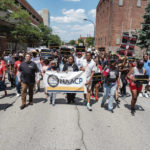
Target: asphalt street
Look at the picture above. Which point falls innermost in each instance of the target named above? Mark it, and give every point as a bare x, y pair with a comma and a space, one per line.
72, 127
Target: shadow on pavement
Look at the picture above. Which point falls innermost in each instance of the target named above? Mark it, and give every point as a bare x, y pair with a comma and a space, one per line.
5, 106
106, 106
39, 100
137, 107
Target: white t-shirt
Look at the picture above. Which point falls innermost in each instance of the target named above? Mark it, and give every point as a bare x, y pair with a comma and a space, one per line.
89, 67
97, 70
79, 61
38, 63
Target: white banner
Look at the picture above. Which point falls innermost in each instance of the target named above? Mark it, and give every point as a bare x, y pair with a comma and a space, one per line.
66, 82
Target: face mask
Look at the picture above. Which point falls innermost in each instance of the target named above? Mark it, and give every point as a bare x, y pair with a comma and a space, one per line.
34, 54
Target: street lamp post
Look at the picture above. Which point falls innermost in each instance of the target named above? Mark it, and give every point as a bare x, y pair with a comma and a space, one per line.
88, 20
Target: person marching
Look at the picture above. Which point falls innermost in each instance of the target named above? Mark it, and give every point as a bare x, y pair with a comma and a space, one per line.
147, 68
135, 87
96, 84
111, 74
36, 60
89, 67
16, 68
53, 67
2, 76
70, 67
27, 70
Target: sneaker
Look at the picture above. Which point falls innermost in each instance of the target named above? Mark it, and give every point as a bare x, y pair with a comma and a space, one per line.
17, 95
53, 103
146, 95
102, 105
89, 107
140, 95
85, 102
93, 96
132, 111
111, 110
117, 101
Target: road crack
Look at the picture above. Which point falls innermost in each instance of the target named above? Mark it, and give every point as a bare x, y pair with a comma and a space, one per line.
79, 125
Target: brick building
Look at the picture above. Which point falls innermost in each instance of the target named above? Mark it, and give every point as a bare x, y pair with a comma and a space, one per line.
113, 17
35, 17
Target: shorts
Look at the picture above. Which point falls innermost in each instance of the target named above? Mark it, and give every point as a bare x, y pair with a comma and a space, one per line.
86, 87
137, 88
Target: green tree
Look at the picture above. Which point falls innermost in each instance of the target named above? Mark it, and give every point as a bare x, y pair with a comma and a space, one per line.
144, 33
55, 39
72, 42
22, 27
46, 33
90, 41
80, 41
7, 4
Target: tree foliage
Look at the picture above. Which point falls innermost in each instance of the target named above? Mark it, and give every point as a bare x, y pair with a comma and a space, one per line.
144, 33
7, 4
80, 41
21, 29
55, 39
72, 42
90, 41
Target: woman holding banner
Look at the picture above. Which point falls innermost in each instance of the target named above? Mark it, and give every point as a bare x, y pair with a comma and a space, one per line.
53, 67
70, 66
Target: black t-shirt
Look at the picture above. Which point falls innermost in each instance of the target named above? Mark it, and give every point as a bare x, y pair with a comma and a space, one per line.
68, 67
112, 75
28, 70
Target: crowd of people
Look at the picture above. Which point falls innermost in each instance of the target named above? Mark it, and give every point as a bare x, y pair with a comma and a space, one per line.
26, 70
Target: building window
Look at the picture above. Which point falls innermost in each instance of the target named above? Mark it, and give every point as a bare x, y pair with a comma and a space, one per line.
118, 41
120, 2
138, 3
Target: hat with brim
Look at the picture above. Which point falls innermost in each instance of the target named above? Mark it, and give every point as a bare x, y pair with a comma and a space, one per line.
34, 51
53, 62
20, 55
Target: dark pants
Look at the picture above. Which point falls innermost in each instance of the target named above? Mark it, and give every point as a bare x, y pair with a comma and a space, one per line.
71, 97
11, 79
2, 85
24, 92
124, 84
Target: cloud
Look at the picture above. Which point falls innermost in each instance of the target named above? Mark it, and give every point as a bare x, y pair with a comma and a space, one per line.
74, 31
70, 25
92, 12
72, 0
70, 16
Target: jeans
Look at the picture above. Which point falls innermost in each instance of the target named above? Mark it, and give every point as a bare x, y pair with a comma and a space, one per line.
18, 85
109, 90
52, 97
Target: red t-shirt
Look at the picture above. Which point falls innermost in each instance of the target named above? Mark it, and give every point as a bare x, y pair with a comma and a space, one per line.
3, 62
2, 69
17, 65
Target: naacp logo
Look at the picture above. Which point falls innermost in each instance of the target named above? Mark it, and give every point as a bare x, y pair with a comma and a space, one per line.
53, 80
